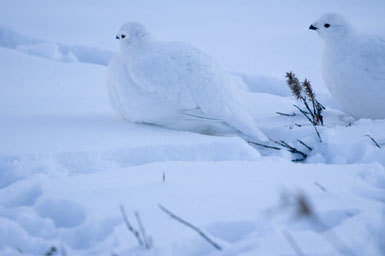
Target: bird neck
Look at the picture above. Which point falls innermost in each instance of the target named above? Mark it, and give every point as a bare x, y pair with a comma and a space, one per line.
342, 46
134, 45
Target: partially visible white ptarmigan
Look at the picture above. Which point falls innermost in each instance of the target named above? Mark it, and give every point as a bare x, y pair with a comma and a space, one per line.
353, 67
174, 85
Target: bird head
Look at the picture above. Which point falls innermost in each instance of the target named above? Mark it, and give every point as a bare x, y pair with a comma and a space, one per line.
131, 34
332, 27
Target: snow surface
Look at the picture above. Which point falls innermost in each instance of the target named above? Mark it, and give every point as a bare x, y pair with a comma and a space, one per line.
67, 161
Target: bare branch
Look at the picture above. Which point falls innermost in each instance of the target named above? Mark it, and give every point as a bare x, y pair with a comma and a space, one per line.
293, 243
375, 142
304, 113
200, 232
262, 145
130, 227
284, 114
309, 119
312, 113
320, 186
316, 131
305, 145
147, 242
292, 150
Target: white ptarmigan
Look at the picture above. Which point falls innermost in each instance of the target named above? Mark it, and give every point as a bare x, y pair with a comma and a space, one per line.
353, 67
174, 85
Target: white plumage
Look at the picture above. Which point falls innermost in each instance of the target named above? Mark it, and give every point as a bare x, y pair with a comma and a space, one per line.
174, 85
353, 67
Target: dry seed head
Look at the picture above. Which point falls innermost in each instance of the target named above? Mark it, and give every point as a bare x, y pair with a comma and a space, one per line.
309, 90
294, 84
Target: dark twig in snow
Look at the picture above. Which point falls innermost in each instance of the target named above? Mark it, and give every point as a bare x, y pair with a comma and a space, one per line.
200, 232
308, 118
284, 114
375, 142
305, 145
316, 131
130, 227
293, 243
306, 114
263, 145
320, 186
146, 239
309, 110
291, 150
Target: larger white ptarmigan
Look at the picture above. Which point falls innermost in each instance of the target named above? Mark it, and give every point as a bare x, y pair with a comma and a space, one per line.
174, 85
353, 67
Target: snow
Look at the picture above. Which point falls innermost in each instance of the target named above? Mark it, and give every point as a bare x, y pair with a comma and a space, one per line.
67, 161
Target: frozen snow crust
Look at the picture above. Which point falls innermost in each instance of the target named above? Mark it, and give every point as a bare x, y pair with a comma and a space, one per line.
67, 162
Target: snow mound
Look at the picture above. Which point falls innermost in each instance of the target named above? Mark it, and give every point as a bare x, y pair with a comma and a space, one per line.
53, 51
265, 84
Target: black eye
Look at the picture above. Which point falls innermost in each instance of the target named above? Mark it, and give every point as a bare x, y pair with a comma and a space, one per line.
327, 25
123, 36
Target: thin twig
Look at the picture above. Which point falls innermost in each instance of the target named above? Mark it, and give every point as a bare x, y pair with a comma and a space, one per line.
292, 150
293, 243
200, 232
319, 108
130, 227
375, 142
304, 113
147, 243
320, 186
284, 114
308, 108
320, 105
263, 145
305, 145
308, 118
316, 131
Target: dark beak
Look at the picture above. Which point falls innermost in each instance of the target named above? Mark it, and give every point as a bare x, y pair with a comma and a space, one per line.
313, 27
117, 37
